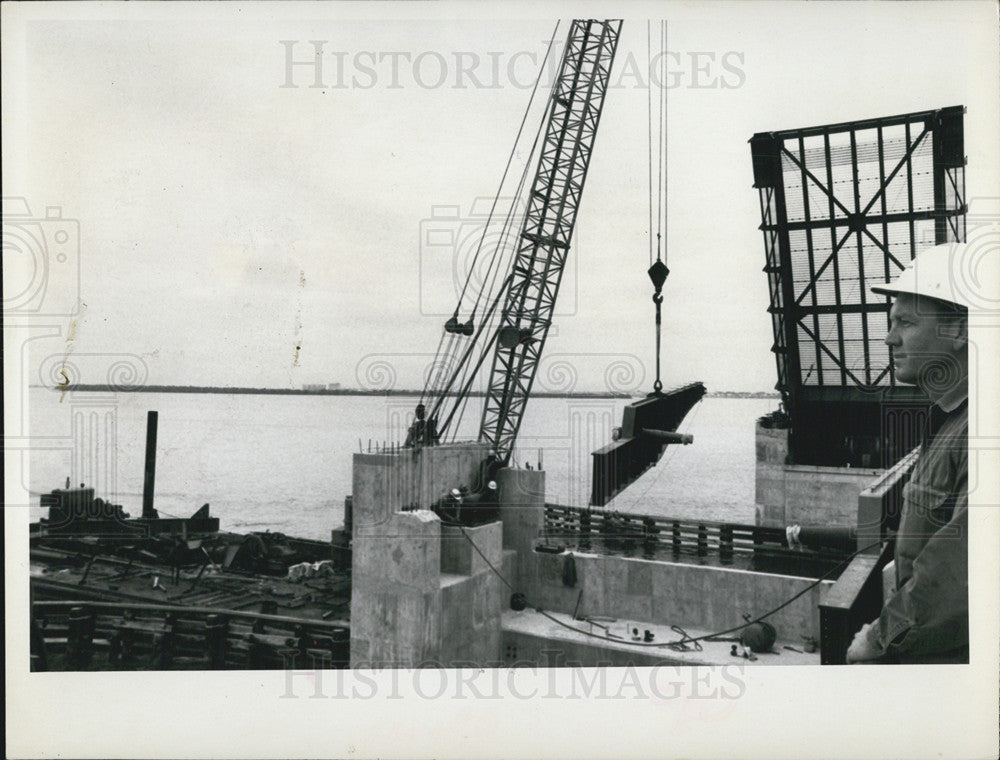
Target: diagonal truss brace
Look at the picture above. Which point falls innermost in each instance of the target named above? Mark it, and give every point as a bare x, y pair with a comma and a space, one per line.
573, 114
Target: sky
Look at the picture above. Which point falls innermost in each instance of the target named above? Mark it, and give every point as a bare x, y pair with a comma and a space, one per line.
239, 226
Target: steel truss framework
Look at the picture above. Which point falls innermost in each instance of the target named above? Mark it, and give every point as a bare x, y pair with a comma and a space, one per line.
574, 112
844, 207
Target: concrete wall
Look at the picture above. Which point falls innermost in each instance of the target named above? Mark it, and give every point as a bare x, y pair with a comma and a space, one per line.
801, 494
657, 592
396, 592
769, 482
772, 444
386, 483
472, 597
668, 593
420, 592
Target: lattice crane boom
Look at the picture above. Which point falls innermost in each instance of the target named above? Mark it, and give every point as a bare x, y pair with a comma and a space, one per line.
574, 112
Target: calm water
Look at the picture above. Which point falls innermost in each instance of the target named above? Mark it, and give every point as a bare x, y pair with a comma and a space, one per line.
284, 462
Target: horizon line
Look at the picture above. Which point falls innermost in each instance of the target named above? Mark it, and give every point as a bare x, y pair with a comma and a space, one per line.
157, 388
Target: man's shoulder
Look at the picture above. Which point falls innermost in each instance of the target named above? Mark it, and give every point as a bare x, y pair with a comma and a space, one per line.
956, 422
947, 450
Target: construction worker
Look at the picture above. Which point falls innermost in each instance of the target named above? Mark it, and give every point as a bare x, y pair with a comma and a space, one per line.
926, 618
417, 434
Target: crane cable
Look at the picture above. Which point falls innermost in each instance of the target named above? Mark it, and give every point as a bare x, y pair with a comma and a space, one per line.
492, 318
659, 197
649, 134
658, 270
504, 255
496, 198
430, 373
664, 178
435, 383
513, 150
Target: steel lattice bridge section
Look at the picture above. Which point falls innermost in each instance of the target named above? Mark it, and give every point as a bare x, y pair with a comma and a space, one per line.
844, 207
574, 112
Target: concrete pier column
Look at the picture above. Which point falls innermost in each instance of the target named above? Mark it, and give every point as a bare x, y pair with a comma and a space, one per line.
472, 595
396, 591
396, 561
789, 494
772, 454
522, 512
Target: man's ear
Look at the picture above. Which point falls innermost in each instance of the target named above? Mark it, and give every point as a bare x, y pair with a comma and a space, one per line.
956, 329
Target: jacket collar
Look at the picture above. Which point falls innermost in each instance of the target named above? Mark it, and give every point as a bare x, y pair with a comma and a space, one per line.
954, 398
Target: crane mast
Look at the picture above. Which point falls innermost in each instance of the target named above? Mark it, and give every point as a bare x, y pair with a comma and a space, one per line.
574, 112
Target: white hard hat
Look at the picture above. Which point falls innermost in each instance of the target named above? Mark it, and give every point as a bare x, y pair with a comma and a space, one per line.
952, 272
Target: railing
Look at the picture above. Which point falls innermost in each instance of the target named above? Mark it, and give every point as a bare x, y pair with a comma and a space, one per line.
127, 636
856, 597
616, 532
695, 537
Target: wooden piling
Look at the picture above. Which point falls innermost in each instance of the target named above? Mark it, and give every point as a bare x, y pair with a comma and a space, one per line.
80, 639
149, 476
216, 641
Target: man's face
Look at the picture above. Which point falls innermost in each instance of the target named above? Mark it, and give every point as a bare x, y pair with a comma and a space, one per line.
925, 341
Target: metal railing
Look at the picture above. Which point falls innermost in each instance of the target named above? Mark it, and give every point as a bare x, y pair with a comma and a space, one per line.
757, 547
701, 538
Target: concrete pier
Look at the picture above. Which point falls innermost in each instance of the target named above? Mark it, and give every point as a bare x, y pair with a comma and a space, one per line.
425, 593
789, 494
472, 596
522, 512
396, 592
421, 594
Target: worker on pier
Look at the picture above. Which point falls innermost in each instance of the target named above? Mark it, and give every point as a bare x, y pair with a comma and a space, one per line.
422, 431
926, 618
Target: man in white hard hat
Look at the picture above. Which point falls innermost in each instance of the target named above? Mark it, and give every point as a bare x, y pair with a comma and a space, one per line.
926, 619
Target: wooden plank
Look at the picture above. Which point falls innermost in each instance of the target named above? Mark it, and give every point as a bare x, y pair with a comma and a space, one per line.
185, 614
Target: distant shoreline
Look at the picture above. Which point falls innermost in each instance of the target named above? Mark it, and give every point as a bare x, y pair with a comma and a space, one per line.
98, 388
